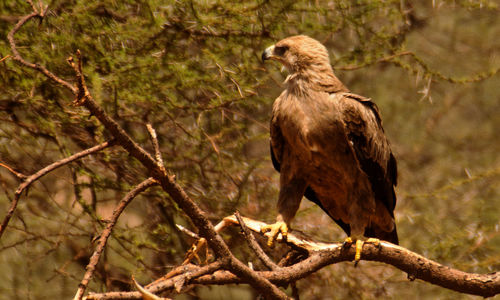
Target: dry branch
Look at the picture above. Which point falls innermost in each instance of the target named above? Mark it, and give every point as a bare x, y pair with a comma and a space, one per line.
32, 178
16, 56
324, 254
94, 259
254, 245
156, 145
168, 184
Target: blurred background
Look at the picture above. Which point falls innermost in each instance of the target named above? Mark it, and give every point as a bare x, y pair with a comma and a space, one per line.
192, 69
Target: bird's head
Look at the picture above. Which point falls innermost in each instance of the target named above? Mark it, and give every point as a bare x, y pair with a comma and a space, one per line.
299, 53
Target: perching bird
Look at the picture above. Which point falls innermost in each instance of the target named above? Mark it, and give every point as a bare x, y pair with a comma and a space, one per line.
329, 145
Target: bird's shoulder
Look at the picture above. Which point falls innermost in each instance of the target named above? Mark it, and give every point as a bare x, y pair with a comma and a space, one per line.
356, 107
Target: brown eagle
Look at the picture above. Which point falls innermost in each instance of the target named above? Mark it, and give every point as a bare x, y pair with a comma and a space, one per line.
329, 145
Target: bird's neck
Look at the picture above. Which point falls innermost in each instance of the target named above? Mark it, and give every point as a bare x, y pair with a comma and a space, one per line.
319, 78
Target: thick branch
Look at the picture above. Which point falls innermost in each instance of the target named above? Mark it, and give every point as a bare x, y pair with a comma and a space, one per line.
32, 178
323, 254
94, 259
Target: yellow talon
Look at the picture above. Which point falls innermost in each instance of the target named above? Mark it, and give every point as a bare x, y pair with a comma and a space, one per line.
347, 241
275, 229
374, 241
359, 246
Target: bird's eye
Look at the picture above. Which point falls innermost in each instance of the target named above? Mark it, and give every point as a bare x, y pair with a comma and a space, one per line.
280, 50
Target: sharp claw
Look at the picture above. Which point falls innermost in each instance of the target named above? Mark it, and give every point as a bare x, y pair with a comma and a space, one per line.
347, 242
275, 229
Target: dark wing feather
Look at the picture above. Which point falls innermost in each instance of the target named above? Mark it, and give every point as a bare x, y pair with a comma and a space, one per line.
364, 130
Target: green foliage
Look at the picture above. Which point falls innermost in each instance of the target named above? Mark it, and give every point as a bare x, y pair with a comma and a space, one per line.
192, 69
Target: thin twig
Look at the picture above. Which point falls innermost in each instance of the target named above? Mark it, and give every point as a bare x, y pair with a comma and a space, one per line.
156, 145
383, 59
184, 278
94, 259
32, 178
4, 58
19, 176
187, 231
18, 58
254, 245
147, 295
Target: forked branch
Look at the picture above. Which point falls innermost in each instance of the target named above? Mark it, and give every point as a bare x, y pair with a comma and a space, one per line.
32, 178
321, 255
94, 259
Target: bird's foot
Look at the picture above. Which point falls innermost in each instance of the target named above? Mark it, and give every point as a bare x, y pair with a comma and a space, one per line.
359, 246
195, 249
274, 230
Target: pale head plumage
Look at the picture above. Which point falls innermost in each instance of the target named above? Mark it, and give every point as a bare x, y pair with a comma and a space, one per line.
307, 61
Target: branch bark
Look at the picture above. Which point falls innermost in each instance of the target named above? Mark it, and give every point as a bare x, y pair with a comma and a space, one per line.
254, 245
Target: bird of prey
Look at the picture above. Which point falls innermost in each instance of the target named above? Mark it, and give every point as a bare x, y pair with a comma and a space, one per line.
329, 145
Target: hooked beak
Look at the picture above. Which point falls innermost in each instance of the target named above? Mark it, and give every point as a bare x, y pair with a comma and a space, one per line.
268, 53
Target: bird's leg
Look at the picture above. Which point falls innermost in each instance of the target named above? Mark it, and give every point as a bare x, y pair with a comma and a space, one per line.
359, 246
291, 192
275, 229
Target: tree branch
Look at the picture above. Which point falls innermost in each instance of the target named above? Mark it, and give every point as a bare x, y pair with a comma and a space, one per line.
17, 56
32, 178
324, 254
168, 184
177, 193
254, 245
229, 269
156, 145
94, 259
